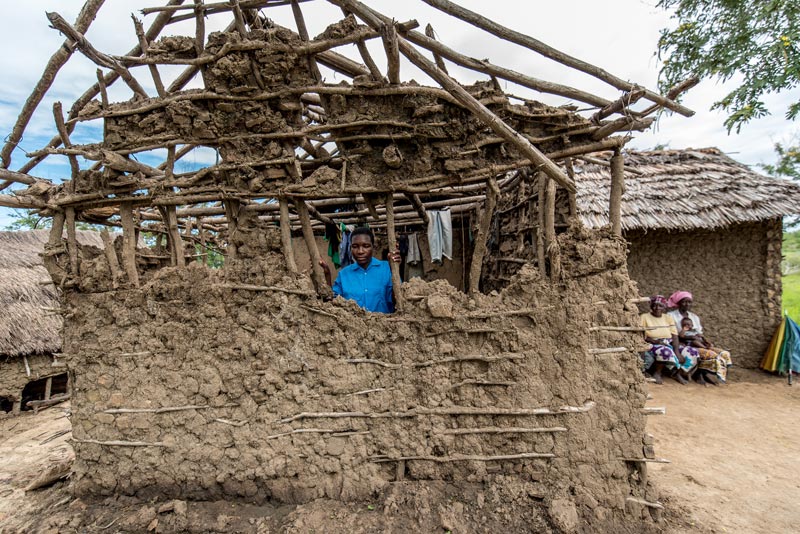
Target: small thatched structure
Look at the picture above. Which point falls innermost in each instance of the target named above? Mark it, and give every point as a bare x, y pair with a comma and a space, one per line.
30, 325
700, 221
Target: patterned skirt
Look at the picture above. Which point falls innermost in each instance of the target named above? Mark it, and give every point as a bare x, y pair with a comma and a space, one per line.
662, 352
715, 360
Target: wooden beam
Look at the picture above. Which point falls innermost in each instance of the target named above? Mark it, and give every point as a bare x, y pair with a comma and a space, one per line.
467, 100
436, 57
476, 266
391, 237
286, 235
129, 243
308, 234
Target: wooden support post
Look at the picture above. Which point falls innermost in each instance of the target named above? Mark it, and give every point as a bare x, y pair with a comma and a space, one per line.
72, 241
553, 252
16, 407
390, 44
492, 192
393, 265
53, 245
573, 201
101, 84
483, 113
542, 180
617, 188
200, 28
286, 235
436, 57
144, 45
111, 256
129, 243
238, 18
311, 243
302, 31
48, 387
232, 213
58, 114
176, 249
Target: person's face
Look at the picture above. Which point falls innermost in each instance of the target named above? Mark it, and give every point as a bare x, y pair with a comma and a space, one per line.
687, 324
685, 305
657, 309
361, 248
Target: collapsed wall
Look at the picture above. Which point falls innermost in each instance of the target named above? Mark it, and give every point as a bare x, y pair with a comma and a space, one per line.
241, 384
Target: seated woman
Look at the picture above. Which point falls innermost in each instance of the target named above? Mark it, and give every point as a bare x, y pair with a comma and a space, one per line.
712, 361
665, 350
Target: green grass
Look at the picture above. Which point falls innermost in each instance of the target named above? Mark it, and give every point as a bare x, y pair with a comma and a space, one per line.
791, 277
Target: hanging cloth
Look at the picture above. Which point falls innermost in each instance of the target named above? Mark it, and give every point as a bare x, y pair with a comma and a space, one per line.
345, 256
440, 235
414, 256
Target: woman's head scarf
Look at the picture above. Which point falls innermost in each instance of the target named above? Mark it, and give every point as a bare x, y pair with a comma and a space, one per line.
676, 297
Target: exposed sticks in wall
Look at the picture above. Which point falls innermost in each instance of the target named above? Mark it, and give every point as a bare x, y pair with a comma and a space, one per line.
619, 329
229, 422
660, 410
643, 502
650, 460
470, 331
458, 410
428, 363
250, 287
501, 430
467, 457
333, 433
122, 443
167, 409
476, 382
610, 350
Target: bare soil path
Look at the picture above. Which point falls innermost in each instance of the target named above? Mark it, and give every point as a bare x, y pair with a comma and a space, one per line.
735, 453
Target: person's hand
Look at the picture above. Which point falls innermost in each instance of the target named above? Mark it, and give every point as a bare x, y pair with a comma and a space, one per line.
395, 256
325, 268
681, 358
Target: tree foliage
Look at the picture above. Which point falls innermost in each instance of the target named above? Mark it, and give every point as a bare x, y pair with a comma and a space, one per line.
758, 40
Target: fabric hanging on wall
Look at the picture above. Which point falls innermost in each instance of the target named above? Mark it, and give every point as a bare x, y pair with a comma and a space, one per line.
414, 256
345, 256
440, 235
333, 237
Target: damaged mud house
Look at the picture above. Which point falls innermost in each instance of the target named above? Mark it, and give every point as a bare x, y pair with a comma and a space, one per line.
512, 366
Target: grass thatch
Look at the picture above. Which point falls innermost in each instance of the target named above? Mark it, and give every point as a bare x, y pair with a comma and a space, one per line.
684, 190
25, 327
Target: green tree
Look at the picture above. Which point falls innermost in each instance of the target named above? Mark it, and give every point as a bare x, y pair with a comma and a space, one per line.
753, 42
27, 220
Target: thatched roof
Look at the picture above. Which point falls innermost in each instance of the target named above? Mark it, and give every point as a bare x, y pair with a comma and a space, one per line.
684, 190
25, 289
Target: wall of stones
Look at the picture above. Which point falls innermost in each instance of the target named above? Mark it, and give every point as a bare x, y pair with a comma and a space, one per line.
733, 273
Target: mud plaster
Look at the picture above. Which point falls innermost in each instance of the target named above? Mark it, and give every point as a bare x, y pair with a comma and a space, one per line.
182, 340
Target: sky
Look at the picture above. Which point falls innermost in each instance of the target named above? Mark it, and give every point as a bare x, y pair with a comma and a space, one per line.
618, 35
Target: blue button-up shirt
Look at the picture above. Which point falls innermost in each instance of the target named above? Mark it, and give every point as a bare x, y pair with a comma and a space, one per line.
371, 288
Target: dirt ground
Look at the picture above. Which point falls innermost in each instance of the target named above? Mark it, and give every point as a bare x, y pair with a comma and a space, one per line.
733, 451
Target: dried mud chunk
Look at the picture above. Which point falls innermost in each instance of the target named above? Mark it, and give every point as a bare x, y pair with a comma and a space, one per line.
564, 515
440, 306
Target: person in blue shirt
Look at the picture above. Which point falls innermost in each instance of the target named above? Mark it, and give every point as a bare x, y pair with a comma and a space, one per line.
368, 281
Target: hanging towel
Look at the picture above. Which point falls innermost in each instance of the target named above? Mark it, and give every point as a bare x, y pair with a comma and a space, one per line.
345, 256
414, 256
440, 235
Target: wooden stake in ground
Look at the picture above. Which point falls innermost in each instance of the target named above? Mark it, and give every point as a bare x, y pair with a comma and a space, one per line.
111, 257
313, 251
542, 180
492, 192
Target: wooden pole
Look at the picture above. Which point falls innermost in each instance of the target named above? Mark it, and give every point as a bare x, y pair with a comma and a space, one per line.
58, 115
617, 188
144, 45
175, 240
53, 244
311, 243
232, 208
129, 243
48, 387
72, 241
436, 57
111, 256
537, 46
419, 207
573, 200
492, 192
542, 180
462, 95
200, 28
390, 44
553, 253
286, 235
59, 58
392, 239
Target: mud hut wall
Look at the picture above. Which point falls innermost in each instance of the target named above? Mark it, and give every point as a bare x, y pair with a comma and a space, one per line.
240, 371
733, 273
14, 377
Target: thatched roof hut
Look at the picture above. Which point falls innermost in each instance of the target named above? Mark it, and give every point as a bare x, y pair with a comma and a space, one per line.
697, 220
27, 295
683, 190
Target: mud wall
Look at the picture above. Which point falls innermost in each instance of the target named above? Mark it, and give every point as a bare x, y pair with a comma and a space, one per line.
189, 388
733, 273
14, 377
